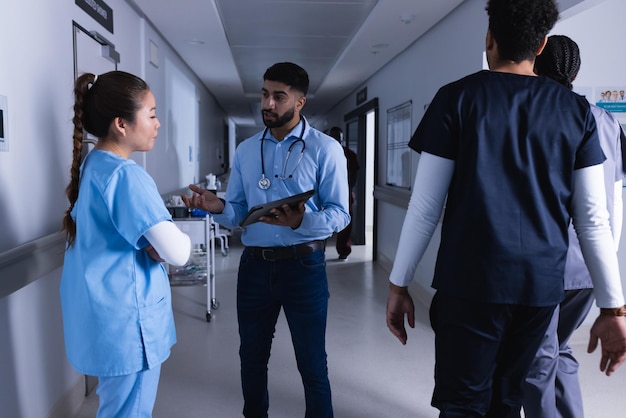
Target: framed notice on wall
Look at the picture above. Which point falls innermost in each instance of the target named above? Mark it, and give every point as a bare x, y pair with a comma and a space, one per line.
398, 152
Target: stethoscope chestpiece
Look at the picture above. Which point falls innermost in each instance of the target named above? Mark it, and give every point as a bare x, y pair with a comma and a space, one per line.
264, 183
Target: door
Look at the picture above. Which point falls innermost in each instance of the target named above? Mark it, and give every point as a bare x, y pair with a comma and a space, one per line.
362, 138
92, 54
89, 57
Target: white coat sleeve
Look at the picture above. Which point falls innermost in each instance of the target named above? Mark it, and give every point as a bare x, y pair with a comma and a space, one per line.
618, 214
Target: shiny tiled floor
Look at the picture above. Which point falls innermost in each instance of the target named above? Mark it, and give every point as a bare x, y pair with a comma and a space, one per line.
372, 374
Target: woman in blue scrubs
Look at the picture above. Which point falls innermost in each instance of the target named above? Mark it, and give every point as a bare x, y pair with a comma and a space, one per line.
115, 294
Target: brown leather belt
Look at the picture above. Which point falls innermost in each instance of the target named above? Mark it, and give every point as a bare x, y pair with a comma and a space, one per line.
285, 253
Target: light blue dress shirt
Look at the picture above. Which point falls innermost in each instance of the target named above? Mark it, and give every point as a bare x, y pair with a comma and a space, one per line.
322, 168
116, 300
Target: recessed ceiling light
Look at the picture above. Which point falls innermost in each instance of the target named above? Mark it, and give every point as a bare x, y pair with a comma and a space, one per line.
195, 42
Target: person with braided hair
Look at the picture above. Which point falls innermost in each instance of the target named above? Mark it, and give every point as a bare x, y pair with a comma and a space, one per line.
115, 295
509, 158
552, 388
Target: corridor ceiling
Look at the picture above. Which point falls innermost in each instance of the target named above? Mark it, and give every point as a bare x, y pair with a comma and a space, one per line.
230, 43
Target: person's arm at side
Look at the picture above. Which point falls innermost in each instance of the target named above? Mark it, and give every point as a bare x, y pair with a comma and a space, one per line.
170, 243
591, 222
618, 214
425, 207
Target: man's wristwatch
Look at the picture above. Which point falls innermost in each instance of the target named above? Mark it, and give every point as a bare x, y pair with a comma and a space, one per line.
613, 311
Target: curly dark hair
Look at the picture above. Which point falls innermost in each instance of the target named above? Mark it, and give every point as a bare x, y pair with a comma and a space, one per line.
519, 26
560, 60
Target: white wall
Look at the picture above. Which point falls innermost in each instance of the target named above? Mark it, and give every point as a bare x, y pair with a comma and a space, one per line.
36, 76
192, 122
600, 33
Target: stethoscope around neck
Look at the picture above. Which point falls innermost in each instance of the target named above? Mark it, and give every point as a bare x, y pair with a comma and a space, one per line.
264, 182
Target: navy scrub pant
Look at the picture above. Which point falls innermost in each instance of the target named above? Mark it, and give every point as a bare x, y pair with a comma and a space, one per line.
482, 354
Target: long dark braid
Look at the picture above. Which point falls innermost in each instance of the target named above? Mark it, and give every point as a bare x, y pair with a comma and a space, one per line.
98, 100
560, 60
81, 88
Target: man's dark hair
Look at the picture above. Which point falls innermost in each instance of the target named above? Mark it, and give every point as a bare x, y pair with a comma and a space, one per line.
336, 133
560, 60
519, 26
289, 73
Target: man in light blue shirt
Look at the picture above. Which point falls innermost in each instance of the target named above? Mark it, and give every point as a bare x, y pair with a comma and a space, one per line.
283, 264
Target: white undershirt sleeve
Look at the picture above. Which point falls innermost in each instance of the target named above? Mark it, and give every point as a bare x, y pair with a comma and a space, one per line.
591, 222
173, 245
618, 214
425, 207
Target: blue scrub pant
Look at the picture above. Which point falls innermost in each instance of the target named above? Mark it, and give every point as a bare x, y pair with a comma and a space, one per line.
128, 396
300, 287
552, 388
482, 354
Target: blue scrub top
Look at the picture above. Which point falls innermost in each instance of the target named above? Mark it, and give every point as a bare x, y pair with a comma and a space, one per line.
116, 300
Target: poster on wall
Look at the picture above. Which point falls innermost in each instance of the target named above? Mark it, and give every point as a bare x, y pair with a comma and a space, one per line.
611, 98
399, 132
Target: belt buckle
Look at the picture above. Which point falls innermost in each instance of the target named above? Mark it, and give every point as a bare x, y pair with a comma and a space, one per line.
264, 252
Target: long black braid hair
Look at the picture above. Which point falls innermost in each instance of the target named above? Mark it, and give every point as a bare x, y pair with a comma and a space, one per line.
560, 60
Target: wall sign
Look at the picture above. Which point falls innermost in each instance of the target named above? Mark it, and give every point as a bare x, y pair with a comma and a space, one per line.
99, 10
361, 96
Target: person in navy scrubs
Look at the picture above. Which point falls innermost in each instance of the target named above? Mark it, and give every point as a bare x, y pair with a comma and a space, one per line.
513, 156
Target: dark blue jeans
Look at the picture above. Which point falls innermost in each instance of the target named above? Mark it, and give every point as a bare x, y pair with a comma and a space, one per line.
300, 287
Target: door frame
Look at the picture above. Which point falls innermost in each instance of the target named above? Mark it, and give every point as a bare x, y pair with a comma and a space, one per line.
360, 116
88, 140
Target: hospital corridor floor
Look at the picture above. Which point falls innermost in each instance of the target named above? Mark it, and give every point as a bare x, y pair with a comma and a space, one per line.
372, 375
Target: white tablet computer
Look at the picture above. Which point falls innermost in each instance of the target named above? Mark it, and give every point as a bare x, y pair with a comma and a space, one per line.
257, 211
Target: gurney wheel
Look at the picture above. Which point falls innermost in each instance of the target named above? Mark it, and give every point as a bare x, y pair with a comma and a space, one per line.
208, 316
215, 304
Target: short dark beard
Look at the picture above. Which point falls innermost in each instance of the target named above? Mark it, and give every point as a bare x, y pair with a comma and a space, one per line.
280, 120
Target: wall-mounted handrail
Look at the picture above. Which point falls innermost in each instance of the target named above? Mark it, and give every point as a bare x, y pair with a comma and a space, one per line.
29, 262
